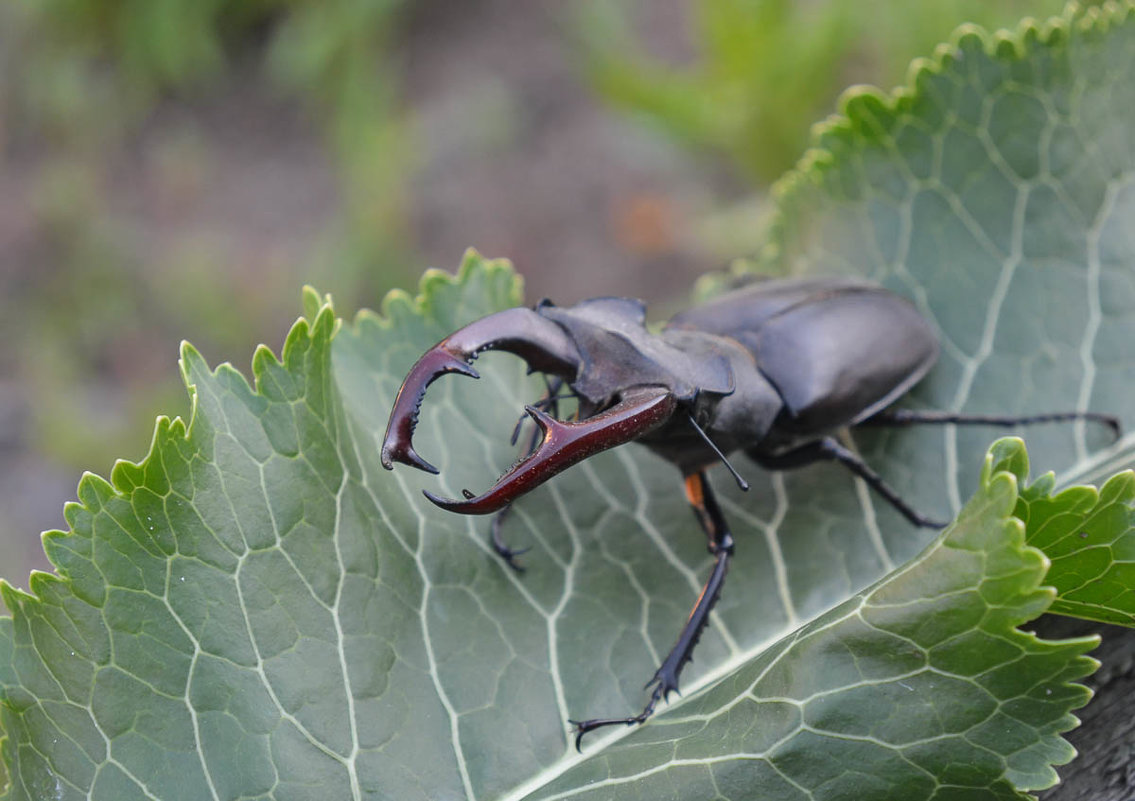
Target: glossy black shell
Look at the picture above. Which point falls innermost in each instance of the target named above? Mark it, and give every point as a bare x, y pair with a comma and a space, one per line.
835, 350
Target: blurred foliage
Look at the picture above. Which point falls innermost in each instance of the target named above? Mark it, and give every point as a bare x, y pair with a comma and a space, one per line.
760, 72
331, 53
81, 85
98, 94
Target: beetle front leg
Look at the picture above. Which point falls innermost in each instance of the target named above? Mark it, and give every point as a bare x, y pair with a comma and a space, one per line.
502, 548
665, 680
551, 402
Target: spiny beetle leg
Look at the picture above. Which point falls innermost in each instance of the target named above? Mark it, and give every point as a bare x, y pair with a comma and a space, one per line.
501, 548
582, 727
550, 402
665, 679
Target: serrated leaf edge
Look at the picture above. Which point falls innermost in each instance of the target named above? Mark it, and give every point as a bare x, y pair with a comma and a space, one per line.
318, 320
865, 107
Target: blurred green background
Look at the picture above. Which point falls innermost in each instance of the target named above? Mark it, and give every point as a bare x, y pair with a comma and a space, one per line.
180, 168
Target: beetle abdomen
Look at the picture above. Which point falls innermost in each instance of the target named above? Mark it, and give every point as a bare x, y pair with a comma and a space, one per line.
840, 360
751, 307
836, 350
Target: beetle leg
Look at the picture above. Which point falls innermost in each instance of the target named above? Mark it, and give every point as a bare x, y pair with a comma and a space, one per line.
550, 402
828, 449
665, 679
500, 547
909, 417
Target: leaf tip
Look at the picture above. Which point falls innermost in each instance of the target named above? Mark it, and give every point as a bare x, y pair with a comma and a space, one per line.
1006, 455
191, 363
313, 302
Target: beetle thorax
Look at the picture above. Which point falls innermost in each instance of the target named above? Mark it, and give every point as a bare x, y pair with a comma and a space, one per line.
732, 420
617, 353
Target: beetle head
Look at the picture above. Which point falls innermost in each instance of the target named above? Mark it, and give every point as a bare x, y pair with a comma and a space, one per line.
599, 348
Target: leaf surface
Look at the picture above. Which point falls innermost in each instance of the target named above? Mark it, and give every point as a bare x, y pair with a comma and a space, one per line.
1089, 536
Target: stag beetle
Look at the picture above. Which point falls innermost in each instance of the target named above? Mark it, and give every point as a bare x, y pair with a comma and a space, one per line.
774, 369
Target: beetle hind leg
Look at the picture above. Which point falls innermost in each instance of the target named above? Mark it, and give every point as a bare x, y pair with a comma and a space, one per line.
828, 449
665, 680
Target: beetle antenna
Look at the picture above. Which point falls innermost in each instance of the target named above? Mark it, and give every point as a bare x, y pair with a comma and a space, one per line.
742, 483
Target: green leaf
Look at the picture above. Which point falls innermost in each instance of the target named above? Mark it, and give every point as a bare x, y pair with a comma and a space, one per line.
1089, 536
258, 610
235, 616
